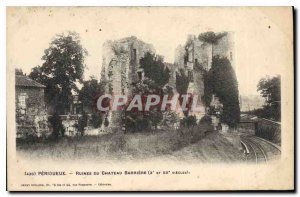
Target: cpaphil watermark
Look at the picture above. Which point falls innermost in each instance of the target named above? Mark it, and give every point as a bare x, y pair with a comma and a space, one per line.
185, 102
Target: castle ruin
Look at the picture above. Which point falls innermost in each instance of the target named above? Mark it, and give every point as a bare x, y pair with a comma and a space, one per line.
196, 57
121, 68
121, 65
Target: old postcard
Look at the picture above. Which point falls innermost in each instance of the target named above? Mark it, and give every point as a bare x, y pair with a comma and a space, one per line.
150, 98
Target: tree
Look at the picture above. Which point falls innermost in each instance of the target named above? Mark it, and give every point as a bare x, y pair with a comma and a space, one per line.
208, 87
222, 81
211, 37
269, 88
155, 69
182, 82
63, 67
90, 92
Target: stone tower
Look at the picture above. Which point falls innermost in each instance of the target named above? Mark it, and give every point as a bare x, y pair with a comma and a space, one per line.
120, 68
196, 57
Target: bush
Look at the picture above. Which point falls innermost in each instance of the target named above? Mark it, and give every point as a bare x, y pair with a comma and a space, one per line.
57, 126
205, 119
96, 119
29, 136
271, 132
137, 122
186, 136
82, 123
106, 122
205, 124
189, 121
155, 69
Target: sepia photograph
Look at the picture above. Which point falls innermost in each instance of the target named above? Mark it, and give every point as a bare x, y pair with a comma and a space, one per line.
150, 98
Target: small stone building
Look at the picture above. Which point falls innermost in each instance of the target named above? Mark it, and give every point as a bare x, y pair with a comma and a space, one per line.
31, 116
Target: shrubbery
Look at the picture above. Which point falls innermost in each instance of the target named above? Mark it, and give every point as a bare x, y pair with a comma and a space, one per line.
82, 123
57, 126
268, 131
189, 121
205, 124
156, 77
205, 120
96, 119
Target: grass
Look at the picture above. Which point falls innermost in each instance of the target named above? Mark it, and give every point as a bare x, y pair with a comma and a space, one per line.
195, 144
115, 145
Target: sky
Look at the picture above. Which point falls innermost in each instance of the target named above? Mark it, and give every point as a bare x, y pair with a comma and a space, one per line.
263, 36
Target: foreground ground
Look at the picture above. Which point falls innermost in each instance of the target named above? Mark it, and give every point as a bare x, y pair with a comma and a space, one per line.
169, 145
215, 147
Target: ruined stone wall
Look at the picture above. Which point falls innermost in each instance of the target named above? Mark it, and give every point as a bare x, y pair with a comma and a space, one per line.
197, 55
179, 57
172, 79
195, 51
225, 48
203, 52
121, 62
